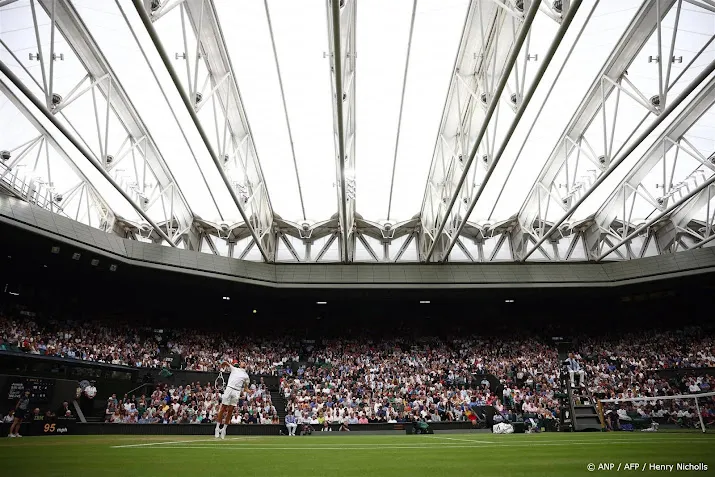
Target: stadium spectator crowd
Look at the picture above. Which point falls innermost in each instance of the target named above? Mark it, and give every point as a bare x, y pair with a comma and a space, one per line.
264, 357
190, 404
429, 379
350, 381
124, 345
620, 366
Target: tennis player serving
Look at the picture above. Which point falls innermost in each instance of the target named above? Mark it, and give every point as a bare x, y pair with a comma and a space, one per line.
237, 382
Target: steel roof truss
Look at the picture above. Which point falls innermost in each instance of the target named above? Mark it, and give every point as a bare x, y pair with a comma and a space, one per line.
226, 122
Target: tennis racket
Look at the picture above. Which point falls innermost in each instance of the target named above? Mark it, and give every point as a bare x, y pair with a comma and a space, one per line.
220, 383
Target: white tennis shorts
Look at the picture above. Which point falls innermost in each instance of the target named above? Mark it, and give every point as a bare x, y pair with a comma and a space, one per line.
230, 397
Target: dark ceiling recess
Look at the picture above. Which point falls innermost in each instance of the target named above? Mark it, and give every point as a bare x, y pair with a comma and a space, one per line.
41, 266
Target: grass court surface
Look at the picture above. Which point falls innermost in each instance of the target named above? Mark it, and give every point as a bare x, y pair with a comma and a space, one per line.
548, 454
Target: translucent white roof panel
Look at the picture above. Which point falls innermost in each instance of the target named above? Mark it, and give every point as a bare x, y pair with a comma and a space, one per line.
596, 43
177, 139
382, 37
249, 44
438, 29
644, 76
404, 64
301, 36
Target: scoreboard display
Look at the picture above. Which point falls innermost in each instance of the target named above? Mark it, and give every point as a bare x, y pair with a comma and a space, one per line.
41, 390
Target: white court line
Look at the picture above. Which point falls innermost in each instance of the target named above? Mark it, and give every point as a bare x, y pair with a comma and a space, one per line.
462, 440
315, 448
496, 442
211, 445
503, 441
147, 444
214, 443
207, 440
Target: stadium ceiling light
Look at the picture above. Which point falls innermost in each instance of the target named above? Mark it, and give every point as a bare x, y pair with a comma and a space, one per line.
425, 302
226, 298
321, 302
508, 301
94, 262
55, 249
75, 256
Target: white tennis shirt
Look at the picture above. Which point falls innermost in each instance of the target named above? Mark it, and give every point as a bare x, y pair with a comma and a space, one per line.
237, 378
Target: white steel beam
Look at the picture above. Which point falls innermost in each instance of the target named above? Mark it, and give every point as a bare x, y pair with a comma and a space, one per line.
391, 237
491, 44
480, 28
473, 197
82, 149
341, 30
626, 152
658, 217
138, 144
236, 146
633, 40
623, 197
570, 148
248, 192
45, 195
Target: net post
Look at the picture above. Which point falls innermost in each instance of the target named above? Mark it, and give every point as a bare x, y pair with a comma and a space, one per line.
700, 416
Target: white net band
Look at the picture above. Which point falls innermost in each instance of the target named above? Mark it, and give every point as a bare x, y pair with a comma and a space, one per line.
678, 397
660, 398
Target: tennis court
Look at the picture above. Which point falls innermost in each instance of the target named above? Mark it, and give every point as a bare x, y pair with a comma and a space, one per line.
348, 455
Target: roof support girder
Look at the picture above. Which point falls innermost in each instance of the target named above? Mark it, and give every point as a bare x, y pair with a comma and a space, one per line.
140, 143
241, 149
659, 217
83, 150
633, 40
498, 36
627, 151
364, 229
234, 146
620, 201
481, 27
260, 221
40, 194
341, 36
569, 146
473, 197
203, 18
646, 21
